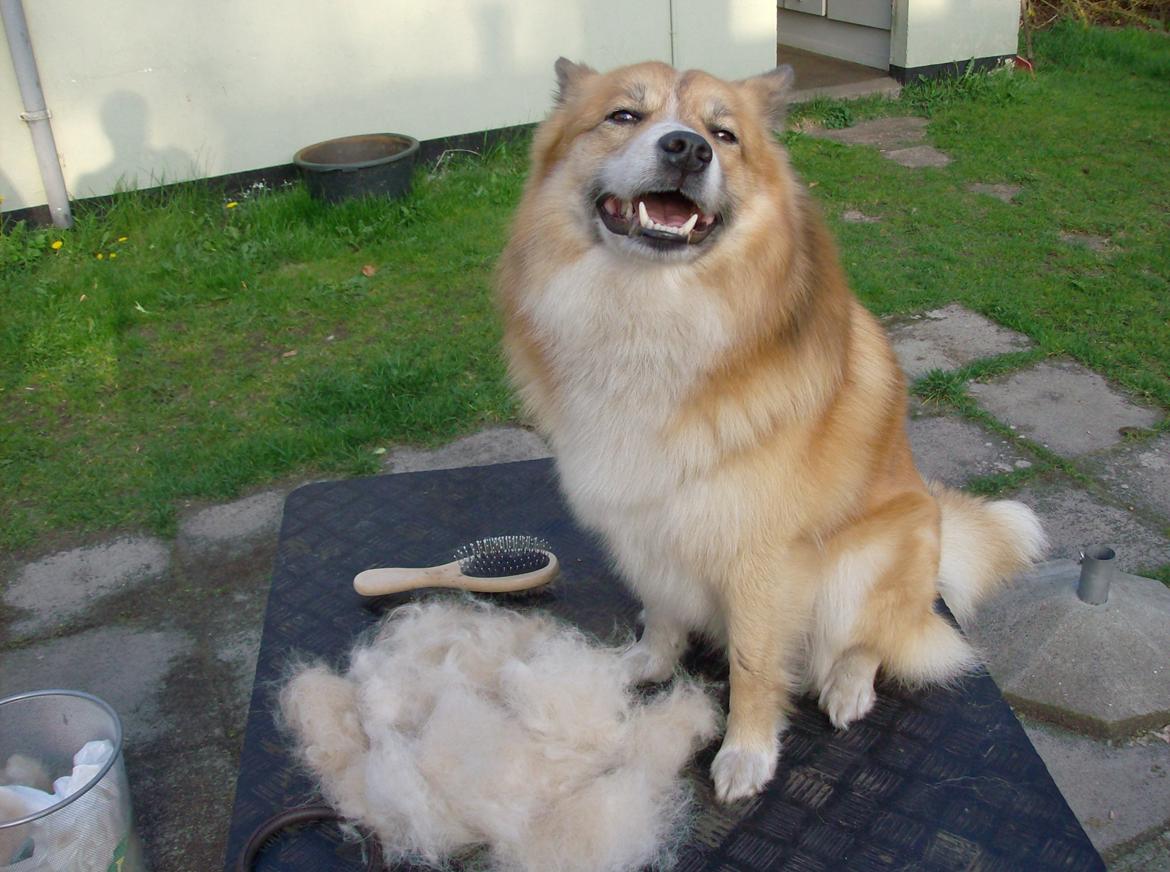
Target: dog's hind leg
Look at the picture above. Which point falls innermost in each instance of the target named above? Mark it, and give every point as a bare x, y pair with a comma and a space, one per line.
847, 693
875, 610
653, 657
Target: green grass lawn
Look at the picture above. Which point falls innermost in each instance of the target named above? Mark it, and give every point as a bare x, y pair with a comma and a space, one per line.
183, 347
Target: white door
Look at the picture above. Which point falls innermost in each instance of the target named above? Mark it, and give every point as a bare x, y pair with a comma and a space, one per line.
870, 13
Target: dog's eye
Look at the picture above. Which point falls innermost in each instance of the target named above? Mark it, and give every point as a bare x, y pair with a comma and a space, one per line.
623, 116
725, 135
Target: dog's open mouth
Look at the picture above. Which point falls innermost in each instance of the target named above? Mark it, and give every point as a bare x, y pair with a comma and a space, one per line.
664, 216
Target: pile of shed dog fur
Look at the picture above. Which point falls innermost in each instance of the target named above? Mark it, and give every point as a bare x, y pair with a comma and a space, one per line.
462, 729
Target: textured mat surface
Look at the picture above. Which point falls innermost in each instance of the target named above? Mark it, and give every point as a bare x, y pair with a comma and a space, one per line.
943, 780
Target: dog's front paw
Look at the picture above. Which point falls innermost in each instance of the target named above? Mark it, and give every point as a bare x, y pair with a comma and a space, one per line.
848, 694
740, 772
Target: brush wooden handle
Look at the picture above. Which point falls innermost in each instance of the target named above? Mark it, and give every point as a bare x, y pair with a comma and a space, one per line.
380, 582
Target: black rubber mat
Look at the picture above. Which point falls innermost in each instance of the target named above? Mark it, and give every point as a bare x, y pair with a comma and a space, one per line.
944, 779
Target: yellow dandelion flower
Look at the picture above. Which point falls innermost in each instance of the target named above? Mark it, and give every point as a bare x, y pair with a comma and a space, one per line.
123, 238
100, 256
113, 254
57, 243
232, 204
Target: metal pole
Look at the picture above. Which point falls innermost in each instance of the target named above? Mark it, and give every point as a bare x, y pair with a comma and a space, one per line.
35, 112
1098, 568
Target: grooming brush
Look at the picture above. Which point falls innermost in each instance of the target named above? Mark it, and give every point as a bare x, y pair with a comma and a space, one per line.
500, 564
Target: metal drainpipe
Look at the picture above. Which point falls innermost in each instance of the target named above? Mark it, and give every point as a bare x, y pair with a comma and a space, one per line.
35, 112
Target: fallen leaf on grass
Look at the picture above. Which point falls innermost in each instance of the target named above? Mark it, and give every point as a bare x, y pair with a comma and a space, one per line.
292, 353
369, 270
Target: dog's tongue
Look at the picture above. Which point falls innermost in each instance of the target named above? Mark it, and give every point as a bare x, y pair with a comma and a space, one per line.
673, 210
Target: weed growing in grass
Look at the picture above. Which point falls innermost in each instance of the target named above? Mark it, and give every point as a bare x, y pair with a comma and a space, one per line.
24, 246
942, 387
837, 117
1002, 483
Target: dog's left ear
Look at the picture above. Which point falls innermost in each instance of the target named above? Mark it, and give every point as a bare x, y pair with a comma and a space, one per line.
770, 91
569, 78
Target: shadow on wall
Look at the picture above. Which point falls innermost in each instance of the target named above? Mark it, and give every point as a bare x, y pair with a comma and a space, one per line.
134, 162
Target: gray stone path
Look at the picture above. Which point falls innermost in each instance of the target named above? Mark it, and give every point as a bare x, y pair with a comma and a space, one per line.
1065, 407
168, 631
949, 338
900, 139
1003, 192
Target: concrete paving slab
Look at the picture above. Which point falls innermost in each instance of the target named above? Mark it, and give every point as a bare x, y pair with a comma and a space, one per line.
954, 451
492, 445
881, 133
1102, 670
1119, 791
1005, 193
1075, 519
901, 139
918, 157
57, 588
228, 530
1063, 406
125, 667
948, 338
1140, 471
854, 216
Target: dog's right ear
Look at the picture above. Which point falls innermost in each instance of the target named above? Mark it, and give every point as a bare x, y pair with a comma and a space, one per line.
569, 78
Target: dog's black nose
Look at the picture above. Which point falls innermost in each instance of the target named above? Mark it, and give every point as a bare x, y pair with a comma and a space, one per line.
685, 150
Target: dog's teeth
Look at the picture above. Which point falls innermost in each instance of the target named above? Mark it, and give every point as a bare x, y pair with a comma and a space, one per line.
627, 209
644, 216
686, 229
666, 228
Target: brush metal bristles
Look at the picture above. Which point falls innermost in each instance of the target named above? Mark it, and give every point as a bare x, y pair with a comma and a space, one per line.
500, 556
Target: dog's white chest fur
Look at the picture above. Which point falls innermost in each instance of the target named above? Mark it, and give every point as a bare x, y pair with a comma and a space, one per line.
627, 343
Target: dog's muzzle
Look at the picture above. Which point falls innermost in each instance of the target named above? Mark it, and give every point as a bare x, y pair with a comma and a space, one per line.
669, 213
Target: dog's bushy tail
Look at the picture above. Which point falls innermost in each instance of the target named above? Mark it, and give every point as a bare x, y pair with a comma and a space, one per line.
984, 543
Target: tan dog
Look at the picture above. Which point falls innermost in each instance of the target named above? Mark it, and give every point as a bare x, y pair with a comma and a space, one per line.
726, 414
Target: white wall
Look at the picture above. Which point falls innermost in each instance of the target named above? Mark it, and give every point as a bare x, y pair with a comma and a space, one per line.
942, 31
731, 38
143, 93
